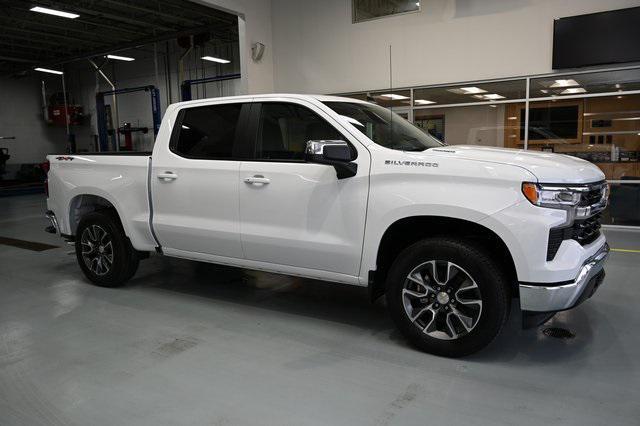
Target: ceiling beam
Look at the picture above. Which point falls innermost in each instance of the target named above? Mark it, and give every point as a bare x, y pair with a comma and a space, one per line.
111, 36
112, 27
28, 39
30, 46
109, 15
58, 36
199, 9
154, 12
82, 20
17, 59
32, 55
134, 44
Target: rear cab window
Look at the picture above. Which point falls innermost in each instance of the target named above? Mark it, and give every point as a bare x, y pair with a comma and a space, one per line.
211, 132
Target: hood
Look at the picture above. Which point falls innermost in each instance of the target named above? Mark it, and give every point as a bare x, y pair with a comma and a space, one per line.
547, 167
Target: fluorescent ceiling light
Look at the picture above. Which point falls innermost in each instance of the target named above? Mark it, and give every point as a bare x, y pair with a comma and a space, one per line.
121, 58
489, 97
573, 91
513, 117
565, 83
493, 106
423, 102
393, 96
472, 90
49, 71
54, 12
544, 90
214, 59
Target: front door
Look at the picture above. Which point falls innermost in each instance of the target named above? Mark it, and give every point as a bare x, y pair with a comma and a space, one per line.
296, 213
194, 184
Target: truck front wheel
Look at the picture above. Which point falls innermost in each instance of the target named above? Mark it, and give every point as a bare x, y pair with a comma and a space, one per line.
104, 252
447, 296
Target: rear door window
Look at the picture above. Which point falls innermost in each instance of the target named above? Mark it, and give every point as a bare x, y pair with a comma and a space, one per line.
208, 132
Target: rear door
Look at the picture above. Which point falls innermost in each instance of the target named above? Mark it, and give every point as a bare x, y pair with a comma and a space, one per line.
194, 184
297, 213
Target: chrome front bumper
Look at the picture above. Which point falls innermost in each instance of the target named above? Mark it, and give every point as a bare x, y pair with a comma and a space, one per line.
553, 298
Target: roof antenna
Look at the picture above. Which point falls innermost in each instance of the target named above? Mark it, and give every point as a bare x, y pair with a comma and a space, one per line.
390, 71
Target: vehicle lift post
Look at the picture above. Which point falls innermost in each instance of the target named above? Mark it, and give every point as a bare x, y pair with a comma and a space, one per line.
102, 116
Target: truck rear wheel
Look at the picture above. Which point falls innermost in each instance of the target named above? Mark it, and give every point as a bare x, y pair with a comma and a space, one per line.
447, 296
104, 252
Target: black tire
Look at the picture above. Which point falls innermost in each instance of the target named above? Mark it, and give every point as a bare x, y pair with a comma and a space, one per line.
124, 257
491, 288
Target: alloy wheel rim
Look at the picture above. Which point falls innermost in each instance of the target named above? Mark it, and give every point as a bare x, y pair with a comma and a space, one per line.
97, 249
442, 300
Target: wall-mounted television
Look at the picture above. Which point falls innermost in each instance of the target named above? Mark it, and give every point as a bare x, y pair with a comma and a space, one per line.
551, 122
597, 38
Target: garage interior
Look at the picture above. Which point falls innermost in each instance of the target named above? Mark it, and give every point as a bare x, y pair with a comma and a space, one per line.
195, 343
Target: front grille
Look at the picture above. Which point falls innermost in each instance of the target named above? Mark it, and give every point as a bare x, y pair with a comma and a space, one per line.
593, 196
583, 231
586, 231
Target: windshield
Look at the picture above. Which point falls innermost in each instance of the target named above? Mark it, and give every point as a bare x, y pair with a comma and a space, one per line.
384, 127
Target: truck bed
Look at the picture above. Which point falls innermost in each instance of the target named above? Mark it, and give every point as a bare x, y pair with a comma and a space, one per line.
119, 179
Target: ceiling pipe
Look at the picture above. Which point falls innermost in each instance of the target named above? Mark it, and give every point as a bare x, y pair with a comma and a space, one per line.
114, 100
45, 104
66, 112
181, 60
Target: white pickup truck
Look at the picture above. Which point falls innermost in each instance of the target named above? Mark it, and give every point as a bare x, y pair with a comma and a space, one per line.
345, 191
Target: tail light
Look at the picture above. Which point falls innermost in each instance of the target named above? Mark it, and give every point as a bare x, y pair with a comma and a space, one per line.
46, 166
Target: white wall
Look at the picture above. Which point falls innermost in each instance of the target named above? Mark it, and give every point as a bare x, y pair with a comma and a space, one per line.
318, 50
21, 116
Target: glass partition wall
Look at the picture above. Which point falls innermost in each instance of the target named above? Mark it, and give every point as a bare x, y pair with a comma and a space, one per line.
594, 115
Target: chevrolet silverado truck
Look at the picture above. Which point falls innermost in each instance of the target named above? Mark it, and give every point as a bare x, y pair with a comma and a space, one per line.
345, 191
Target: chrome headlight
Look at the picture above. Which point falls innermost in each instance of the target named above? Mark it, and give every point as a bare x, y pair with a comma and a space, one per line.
552, 196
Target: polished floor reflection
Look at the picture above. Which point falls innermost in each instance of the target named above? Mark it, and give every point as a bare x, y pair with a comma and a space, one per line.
191, 343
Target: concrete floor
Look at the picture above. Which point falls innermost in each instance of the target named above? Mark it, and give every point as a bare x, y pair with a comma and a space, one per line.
192, 344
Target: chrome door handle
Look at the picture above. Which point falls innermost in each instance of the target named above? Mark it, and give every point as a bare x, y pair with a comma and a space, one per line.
257, 179
167, 176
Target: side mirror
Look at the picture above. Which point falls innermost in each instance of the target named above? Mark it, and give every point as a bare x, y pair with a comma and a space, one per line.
336, 153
